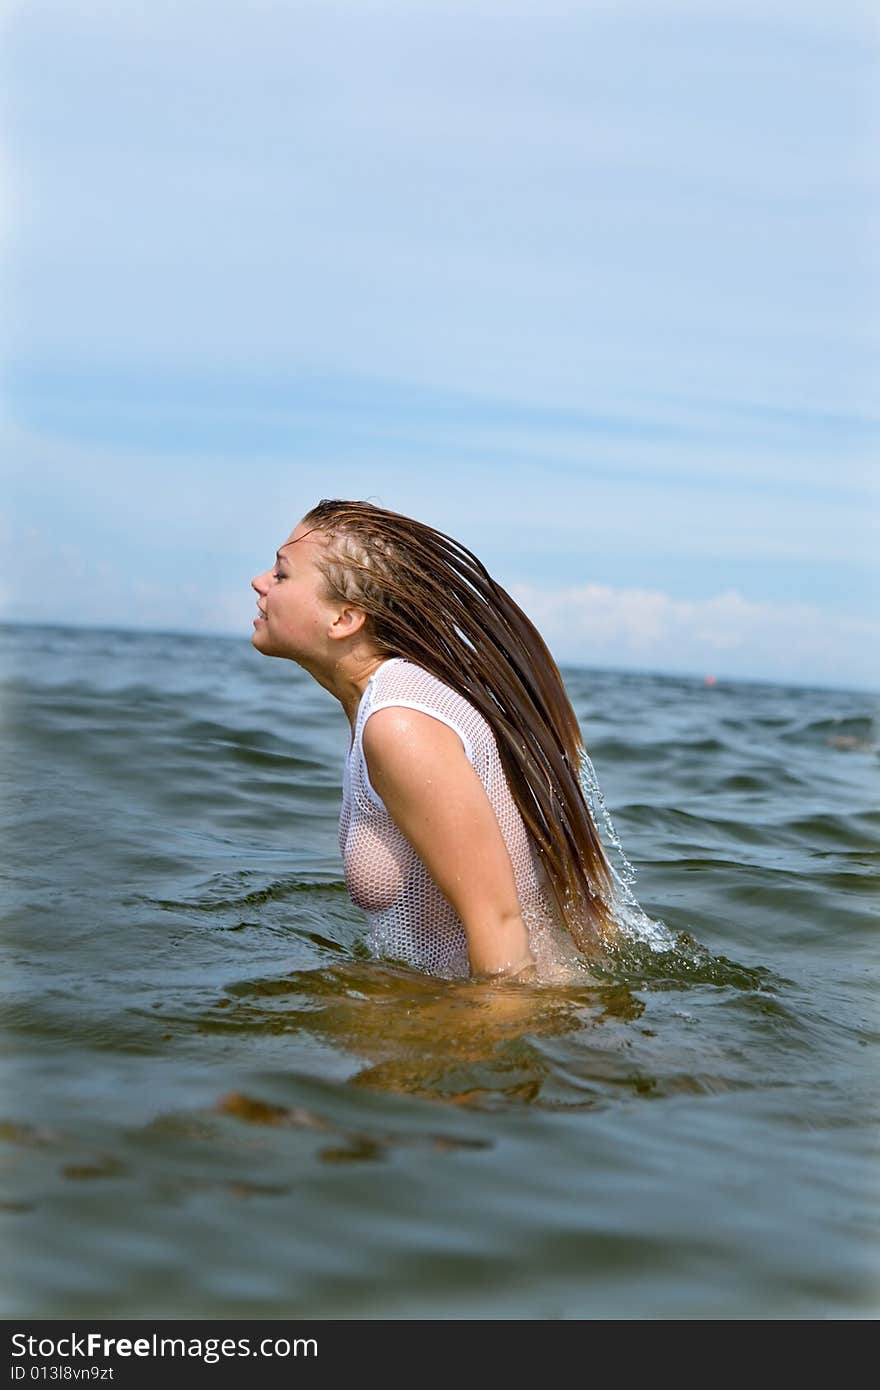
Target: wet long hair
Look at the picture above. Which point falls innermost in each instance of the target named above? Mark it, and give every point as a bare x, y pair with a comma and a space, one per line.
429, 599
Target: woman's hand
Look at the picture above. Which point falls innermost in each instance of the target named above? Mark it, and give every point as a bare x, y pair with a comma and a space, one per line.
419, 768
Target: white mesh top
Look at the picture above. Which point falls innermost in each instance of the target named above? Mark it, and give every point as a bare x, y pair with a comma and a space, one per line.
408, 917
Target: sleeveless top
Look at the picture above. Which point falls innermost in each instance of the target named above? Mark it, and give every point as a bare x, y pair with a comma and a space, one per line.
408, 917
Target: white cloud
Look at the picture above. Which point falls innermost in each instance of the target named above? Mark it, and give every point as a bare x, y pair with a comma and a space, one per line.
725, 634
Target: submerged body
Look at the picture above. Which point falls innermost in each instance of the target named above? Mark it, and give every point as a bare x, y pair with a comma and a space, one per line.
409, 918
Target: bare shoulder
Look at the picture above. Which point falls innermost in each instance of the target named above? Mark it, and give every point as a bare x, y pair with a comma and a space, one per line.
409, 753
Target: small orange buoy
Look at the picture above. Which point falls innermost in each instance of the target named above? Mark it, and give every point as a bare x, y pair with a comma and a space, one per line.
710, 680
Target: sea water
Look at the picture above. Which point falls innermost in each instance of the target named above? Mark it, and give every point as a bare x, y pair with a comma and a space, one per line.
215, 1104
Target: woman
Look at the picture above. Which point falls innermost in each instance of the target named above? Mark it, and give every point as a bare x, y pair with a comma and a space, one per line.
464, 831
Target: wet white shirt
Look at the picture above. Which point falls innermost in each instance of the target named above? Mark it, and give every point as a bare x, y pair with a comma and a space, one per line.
408, 917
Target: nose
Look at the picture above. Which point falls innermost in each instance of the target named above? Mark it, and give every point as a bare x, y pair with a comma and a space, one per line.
260, 582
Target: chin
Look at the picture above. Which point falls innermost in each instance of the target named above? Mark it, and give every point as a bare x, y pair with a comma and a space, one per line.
262, 648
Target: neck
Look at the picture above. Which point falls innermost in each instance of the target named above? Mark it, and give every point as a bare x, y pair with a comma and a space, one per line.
348, 680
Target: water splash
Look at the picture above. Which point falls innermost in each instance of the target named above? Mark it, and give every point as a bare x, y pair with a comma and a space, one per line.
596, 802
624, 904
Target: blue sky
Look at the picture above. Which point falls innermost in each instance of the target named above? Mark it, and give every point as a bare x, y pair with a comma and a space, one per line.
590, 286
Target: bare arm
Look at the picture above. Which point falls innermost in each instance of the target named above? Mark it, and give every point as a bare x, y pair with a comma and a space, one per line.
419, 768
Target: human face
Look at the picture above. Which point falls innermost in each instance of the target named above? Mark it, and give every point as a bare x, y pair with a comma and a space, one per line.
294, 619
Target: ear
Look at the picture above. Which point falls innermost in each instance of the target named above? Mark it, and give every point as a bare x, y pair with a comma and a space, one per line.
348, 621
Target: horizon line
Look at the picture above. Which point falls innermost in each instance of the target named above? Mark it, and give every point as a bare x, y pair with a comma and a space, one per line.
717, 677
